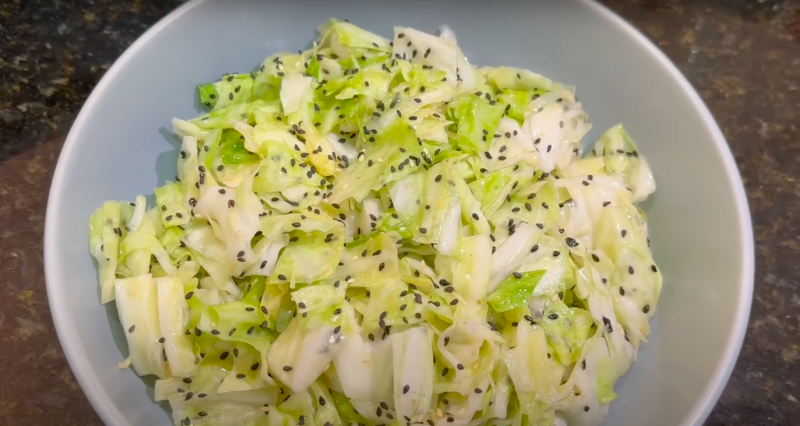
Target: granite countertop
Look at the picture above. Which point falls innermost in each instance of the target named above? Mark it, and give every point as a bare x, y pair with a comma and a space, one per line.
743, 57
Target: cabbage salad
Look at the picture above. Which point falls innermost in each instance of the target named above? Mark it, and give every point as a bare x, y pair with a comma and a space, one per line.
376, 232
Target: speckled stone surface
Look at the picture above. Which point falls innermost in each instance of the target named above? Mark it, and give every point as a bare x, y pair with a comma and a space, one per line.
742, 56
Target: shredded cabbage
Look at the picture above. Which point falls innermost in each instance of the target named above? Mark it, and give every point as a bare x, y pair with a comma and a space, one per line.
376, 232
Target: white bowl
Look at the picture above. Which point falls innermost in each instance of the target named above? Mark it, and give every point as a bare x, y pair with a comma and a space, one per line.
699, 221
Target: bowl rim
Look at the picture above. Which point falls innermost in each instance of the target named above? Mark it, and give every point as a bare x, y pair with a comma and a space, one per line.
105, 407
708, 400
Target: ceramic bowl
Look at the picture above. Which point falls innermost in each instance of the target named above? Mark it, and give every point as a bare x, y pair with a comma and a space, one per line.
699, 222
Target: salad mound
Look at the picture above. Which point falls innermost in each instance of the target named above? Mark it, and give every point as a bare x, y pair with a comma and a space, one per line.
376, 232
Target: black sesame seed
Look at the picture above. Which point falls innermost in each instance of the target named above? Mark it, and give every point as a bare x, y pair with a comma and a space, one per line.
131, 328
287, 368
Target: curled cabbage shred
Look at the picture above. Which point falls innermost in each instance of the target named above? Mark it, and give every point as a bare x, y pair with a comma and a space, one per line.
375, 231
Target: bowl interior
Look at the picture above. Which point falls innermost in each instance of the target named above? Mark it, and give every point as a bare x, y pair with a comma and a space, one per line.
120, 146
